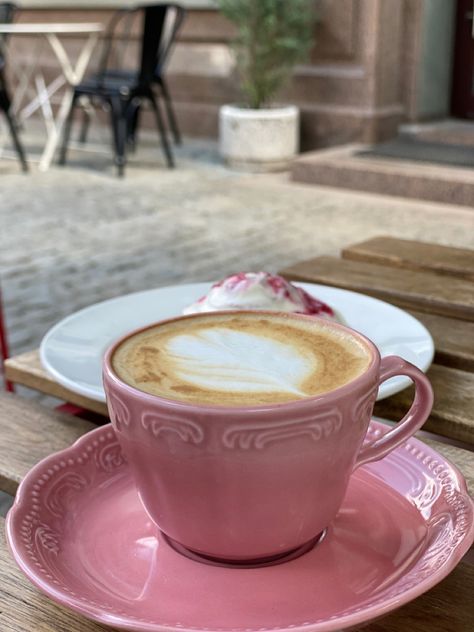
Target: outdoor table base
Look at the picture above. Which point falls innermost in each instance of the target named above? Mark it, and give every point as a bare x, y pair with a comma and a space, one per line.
71, 74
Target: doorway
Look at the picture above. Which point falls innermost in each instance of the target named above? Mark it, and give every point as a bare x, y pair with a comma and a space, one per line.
462, 98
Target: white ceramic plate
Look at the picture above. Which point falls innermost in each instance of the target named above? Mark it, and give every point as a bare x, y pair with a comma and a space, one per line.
72, 350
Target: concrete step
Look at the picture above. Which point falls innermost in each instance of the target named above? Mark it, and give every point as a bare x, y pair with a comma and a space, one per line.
344, 167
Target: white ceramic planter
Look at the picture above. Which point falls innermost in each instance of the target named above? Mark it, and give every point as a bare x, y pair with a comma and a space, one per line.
258, 140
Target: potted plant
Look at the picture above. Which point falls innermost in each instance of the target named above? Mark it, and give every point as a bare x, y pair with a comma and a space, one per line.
272, 36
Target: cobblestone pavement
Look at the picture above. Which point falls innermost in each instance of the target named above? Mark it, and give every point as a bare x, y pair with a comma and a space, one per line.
77, 235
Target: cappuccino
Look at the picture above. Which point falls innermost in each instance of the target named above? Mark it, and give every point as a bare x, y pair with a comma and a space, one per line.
243, 359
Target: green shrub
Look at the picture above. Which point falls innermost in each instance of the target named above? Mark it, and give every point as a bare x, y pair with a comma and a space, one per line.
272, 36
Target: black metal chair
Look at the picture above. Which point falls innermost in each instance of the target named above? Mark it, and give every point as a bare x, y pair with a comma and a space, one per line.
124, 90
7, 12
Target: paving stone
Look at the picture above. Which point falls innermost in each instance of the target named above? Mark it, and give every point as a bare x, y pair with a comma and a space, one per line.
6, 501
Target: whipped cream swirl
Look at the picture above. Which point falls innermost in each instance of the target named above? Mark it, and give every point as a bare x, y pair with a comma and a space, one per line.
260, 290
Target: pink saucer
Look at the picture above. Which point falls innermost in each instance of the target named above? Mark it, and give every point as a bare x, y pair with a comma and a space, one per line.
79, 533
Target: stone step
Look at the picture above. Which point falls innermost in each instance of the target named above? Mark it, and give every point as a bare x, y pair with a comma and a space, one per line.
449, 131
344, 167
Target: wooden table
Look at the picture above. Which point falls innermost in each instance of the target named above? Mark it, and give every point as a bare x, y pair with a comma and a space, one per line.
70, 75
435, 284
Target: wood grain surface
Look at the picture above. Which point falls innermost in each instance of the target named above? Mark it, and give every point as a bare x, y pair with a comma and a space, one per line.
414, 255
445, 608
423, 291
453, 410
462, 458
24, 609
28, 433
453, 338
26, 369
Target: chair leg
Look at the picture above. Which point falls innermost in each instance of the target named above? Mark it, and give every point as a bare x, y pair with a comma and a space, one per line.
67, 133
16, 141
119, 125
170, 112
133, 119
86, 119
162, 131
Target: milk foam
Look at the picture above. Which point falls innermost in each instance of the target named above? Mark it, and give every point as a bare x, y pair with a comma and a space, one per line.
240, 359
228, 360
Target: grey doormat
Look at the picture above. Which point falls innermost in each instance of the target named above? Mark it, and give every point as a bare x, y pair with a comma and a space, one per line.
422, 151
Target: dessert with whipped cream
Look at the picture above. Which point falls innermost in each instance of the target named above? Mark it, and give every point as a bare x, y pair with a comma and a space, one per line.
260, 290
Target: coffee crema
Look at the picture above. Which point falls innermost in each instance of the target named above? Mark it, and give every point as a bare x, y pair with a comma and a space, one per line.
243, 359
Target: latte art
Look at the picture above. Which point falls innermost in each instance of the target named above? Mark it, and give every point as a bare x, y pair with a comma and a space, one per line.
240, 359
229, 360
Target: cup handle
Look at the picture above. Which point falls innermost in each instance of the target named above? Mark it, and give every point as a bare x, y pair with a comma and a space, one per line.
391, 366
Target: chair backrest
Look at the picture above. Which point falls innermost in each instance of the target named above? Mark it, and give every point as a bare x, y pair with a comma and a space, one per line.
165, 20
158, 27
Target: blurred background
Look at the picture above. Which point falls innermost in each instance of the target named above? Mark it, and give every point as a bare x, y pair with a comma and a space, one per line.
156, 192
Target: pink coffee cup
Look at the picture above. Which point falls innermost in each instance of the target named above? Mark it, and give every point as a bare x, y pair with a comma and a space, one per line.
257, 482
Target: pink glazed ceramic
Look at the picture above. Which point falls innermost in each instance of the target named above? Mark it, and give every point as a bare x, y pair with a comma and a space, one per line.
254, 483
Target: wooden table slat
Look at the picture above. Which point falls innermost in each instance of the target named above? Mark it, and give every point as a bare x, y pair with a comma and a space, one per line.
452, 414
26, 369
30, 432
462, 458
423, 291
414, 255
453, 339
